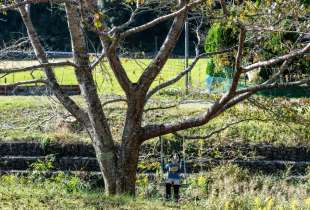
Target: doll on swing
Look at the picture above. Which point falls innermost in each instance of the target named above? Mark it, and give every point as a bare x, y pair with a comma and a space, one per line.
173, 170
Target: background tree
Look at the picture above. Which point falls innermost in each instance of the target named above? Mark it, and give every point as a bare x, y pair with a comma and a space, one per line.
118, 158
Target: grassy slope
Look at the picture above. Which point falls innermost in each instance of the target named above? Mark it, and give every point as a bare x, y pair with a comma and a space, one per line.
225, 187
37, 118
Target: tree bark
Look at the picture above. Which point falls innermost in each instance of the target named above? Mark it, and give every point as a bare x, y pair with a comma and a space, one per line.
128, 163
99, 129
131, 141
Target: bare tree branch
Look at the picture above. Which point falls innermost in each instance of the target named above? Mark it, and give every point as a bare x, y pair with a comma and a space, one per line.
114, 101
159, 20
216, 109
126, 24
18, 43
25, 2
98, 61
162, 56
151, 131
217, 131
184, 72
279, 59
273, 85
238, 69
116, 65
68, 103
160, 108
34, 67
27, 82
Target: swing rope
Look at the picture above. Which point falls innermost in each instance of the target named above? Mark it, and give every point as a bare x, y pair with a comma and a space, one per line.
184, 160
161, 153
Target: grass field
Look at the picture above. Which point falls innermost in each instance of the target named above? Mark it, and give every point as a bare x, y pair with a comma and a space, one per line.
37, 118
226, 187
104, 77
40, 118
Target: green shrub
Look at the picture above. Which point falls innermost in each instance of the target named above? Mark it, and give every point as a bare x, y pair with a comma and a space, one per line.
220, 36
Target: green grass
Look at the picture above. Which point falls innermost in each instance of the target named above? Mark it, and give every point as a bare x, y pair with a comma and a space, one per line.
104, 77
226, 187
29, 118
40, 119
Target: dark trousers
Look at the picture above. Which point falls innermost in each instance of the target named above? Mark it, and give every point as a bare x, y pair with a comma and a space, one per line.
176, 190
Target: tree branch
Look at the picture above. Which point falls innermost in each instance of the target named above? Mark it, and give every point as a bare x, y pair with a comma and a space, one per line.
68, 103
116, 65
25, 2
25, 83
238, 69
162, 56
114, 101
228, 125
98, 61
279, 59
160, 108
101, 133
152, 23
217, 108
151, 131
273, 85
34, 67
173, 80
184, 72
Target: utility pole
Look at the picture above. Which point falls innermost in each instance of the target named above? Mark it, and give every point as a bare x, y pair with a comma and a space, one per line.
188, 76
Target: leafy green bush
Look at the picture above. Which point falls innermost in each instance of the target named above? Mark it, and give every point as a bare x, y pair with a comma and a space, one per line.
219, 36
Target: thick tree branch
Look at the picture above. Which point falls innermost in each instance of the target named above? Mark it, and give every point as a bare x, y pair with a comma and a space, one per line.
85, 77
151, 131
68, 103
162, 56
110, 49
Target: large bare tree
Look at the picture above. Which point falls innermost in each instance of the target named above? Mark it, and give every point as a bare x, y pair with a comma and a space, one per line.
118, 158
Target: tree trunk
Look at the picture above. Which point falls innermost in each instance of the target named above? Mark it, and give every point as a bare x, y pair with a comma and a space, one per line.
128, 163
98, 129
107, 161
